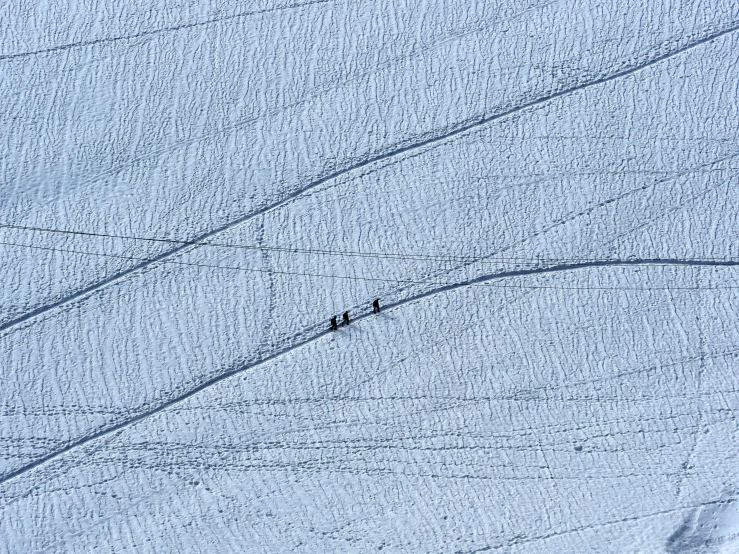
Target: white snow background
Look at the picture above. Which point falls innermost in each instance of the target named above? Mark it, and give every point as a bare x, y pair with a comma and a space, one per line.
542, 193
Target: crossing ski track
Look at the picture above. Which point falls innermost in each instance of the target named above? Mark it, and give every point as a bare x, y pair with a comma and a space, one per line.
419, 143
154, 32
316, 336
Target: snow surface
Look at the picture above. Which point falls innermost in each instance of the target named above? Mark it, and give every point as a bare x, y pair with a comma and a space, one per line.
555, 366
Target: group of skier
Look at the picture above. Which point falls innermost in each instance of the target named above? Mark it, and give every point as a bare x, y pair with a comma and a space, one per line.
345, 316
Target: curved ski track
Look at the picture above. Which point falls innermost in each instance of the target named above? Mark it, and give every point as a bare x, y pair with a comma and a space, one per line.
314, 337
420, 142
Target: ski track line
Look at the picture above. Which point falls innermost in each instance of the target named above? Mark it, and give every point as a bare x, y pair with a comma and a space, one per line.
155, 32
312, 338
593, 526
310, 97
419, 144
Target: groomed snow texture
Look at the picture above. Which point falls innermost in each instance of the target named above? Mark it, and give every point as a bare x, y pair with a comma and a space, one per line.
542, 193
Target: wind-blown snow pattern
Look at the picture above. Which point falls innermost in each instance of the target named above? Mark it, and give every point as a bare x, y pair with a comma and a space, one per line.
542, 194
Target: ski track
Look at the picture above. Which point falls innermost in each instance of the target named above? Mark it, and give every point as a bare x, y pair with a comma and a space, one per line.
556, 534
572, 216
154, 32
310, 97
398, 151
678, 207
307, 98
316, 336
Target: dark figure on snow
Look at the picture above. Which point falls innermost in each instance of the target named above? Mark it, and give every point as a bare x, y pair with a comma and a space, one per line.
376, 306
334, 326
345, 317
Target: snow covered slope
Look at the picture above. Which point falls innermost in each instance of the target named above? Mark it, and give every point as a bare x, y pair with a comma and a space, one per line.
542, 194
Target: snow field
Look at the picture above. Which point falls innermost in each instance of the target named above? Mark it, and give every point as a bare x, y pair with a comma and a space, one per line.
577, 410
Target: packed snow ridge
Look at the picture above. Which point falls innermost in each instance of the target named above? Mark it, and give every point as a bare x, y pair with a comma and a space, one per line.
540, 194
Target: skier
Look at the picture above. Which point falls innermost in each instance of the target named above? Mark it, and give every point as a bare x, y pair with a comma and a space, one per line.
376, 306
334, 326
345, 318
